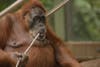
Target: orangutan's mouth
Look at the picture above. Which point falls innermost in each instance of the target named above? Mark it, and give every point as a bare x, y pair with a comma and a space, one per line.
42, 35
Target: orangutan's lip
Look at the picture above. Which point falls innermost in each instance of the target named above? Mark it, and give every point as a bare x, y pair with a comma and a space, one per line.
42, 36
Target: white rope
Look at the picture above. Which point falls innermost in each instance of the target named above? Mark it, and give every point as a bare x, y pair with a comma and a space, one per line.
18, 2
27, 50
48, 14
31, 43
57, 8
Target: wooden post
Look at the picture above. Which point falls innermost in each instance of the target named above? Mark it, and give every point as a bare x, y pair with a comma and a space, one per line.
59, 22
68, 20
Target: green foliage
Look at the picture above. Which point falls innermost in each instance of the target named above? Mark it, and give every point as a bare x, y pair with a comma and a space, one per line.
5, 3
48, 4
87, 20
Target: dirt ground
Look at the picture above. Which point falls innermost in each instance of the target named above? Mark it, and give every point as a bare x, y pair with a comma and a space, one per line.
91, 63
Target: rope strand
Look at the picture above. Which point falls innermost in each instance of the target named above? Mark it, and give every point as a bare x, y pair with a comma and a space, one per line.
48, 14
56, 8
26, 51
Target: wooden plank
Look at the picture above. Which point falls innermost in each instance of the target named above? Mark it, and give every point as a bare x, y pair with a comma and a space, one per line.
91, 63
85, 49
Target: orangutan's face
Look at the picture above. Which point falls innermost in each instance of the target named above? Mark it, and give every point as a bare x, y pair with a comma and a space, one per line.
37, 21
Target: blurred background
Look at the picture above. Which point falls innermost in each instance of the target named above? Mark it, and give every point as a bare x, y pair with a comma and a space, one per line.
77, 23
79, 20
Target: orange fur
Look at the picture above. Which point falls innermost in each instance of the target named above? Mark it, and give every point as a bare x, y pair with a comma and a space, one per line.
14, 28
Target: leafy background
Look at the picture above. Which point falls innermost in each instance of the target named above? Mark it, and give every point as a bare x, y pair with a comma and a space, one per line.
87, 19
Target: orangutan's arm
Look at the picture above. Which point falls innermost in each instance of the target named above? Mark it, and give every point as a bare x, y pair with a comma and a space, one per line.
5, 29
65, 58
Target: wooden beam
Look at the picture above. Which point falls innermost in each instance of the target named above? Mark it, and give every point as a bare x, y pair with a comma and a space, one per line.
59, 22
68, 20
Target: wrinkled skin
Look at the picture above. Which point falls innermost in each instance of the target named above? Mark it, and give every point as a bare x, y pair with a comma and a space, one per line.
47, 51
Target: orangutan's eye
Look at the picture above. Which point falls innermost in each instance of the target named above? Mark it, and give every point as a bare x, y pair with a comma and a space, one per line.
43, 18
33, 7
36, 18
